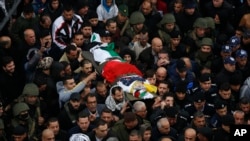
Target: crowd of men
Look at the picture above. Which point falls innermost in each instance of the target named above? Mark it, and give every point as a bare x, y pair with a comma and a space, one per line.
195, 52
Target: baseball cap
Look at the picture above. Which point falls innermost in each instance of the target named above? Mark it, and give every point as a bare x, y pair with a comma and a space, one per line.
206, 41
205, 77
171, 112
75, 97
219, 105
226, 48
234, 41
181, 66
175, 34
105, 33
229, 60
199, 97
241, 53
123, 9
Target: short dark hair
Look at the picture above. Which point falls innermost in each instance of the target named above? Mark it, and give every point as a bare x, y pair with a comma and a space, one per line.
106, 110
28, 9
100, 122
86, 24
85, 61
70, 48
149, 73
6, 60
89, 95
82, 115
109, 21
224, 86
129, 116
114, 89
67, 77
67, 7
52, 119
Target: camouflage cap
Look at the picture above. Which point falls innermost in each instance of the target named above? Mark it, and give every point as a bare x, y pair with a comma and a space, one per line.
123, 9
30, 89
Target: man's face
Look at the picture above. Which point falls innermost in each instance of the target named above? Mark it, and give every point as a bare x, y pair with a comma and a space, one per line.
75, 104
78, 40
160, 76
241, 61
30, 99
83, 11
143, 39
199, 105
131, 124
245, 107
93, 21
70, 84
146, 8
101, 131
109, 2
199, 122
121, 18
169, 26
47, 23
239, 118
30, 37
189, 11
135, 138
230, 67
225, 94
138, 27
106, 39
91, 104
200, 32
112, 27
102, 90
87, 68
222, 112
175, 41
157, 46
169, 100
72, 55
142, 112
83, 123
46, 41
55, 4
86, 31
19, 137
162, 89
68, 15
54, 126
165, 128
127, 58
9, 68
178, 7
118, 96
107, 117
217, 3
28, 15
206, 85
206, 49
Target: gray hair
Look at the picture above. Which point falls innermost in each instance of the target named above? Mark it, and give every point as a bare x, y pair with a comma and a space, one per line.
138, 105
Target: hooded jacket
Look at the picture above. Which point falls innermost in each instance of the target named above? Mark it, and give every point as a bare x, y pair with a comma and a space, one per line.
105, 12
